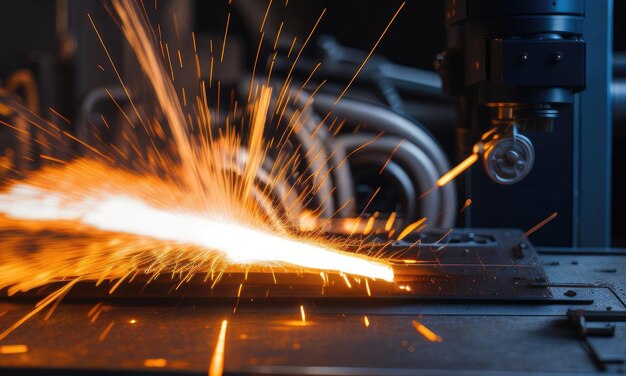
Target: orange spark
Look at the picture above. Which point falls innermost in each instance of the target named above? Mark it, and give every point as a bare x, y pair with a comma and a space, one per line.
427, 333
302, 313
390, 221
456, 171
541, 224
225, 36
155, 363
345, 278
408, 229
393, 152
293, 43
370, 53
267, 10
306, 41
52, 159
216, 368
13, 349
280, 28
59, 115
404, 261
106, 331
40, 306
369, 225
466, 205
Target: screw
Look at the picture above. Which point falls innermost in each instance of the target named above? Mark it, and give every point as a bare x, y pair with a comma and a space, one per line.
557, 57
440, 60
523, 57
512, 156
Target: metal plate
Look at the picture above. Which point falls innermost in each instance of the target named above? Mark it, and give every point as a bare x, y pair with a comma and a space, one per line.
508, 333
464, 264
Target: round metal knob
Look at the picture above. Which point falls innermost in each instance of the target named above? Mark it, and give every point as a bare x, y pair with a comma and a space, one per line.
509, 160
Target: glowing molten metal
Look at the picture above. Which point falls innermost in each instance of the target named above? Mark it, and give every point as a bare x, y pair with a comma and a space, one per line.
240, 244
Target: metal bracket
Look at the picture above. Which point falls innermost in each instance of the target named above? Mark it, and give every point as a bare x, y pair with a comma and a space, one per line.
582, 319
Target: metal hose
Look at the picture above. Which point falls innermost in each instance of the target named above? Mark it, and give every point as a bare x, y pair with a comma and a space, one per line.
417, 164
379, 119
398, 177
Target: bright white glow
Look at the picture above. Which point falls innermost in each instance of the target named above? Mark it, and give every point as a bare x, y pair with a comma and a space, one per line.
240, 244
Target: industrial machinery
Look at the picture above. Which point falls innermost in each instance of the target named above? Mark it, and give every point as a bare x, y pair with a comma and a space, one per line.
521, 62
507, 263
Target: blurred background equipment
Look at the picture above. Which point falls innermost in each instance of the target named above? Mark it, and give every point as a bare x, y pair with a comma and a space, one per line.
528, 98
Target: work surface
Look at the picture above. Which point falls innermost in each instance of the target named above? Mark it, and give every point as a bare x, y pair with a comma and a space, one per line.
338, 336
